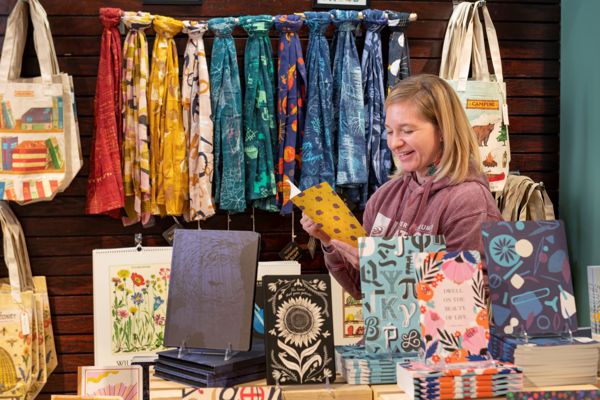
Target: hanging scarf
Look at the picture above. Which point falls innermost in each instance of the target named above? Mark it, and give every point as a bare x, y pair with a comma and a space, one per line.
290, 106
136, 154
348, 104
379, 159
317, 146
169, 170
399, 57
226, 99
105, 184
198, 126
259, 113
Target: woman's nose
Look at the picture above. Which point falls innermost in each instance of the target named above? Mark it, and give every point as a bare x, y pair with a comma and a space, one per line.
394, 141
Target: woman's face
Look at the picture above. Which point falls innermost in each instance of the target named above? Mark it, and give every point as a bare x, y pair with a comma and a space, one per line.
415, 142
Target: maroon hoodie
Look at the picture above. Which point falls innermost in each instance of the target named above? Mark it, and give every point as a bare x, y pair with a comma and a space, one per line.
403, 206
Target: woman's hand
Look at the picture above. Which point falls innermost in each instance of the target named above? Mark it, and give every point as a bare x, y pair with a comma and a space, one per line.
349, 252
314, 229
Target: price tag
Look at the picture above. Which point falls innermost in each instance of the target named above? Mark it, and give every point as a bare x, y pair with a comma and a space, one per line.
25, 324
291, 252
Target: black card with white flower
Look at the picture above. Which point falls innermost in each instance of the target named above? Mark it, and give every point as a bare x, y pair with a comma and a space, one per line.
298, 329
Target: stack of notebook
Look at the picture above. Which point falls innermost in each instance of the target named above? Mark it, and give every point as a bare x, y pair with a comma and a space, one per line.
539, 357
359, 367
477, 380
199, 369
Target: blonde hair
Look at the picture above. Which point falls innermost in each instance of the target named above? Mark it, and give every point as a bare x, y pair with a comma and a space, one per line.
439, 104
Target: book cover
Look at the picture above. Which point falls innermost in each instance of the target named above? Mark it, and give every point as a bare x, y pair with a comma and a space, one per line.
453, 305
529, 277
111, 381
389, 288
299, 329
211, 291
268, 268
8, 146
323, 205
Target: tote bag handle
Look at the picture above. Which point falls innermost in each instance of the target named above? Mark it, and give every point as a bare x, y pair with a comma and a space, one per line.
15, 38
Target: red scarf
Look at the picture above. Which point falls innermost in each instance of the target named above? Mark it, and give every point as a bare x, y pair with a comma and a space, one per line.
105, 183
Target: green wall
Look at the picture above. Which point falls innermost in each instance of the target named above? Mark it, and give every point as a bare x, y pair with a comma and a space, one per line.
579, 204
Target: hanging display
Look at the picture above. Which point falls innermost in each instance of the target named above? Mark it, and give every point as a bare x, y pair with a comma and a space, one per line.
378, 155
318, 145
348, 106
259, 114
105, 183
299, 330
130, 302
484, 96
226, 101
398, 52
136, 152
39, 134
197, 122
168, 163
27, 350
291, 78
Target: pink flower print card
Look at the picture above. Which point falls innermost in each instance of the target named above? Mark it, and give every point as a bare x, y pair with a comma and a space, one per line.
452, 300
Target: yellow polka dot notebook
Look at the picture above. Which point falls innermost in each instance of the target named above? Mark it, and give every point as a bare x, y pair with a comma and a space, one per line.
323, 205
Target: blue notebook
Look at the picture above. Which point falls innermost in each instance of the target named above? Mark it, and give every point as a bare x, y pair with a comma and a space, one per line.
529, 277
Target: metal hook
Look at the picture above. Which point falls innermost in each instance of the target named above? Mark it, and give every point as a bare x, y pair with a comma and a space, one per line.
137, 239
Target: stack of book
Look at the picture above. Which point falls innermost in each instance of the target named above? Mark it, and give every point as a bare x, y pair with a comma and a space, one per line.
459, 381
358, 367
539, 357
200, 369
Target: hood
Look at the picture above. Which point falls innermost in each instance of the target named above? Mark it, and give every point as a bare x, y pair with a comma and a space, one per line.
420, 193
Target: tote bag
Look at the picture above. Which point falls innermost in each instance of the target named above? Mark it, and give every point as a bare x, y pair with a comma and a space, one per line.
39, 135
27, 350
483, 95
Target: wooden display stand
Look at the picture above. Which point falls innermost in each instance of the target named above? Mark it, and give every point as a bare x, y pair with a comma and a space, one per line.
161, 389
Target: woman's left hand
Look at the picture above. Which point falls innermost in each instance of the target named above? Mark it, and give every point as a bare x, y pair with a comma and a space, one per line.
349, 252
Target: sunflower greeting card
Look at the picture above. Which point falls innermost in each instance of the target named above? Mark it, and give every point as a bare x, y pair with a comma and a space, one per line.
452, 303
299, 329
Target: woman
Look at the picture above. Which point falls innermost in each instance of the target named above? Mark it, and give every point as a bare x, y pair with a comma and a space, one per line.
439, 188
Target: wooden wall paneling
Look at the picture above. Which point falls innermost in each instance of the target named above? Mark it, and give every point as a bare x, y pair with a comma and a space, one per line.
60, 237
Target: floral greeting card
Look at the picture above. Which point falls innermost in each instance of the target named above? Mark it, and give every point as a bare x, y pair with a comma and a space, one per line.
452, 300
299, 329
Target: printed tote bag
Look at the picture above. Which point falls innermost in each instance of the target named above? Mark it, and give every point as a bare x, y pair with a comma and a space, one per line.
39, 135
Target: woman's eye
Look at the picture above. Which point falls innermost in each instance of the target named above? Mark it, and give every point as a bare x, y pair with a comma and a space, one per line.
408, 132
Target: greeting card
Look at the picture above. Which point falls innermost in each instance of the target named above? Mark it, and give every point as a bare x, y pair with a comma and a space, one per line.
125, 382
388, 283
452, 300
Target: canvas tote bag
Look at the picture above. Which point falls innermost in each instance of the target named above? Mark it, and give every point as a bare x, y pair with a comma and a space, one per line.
27, 350
39, 134
483, 95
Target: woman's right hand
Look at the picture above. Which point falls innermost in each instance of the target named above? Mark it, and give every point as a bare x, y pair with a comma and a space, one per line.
314, 229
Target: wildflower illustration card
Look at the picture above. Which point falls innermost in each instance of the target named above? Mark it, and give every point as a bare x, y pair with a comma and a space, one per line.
452, 302
299, 329
130, 303
125, 382
388, 284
